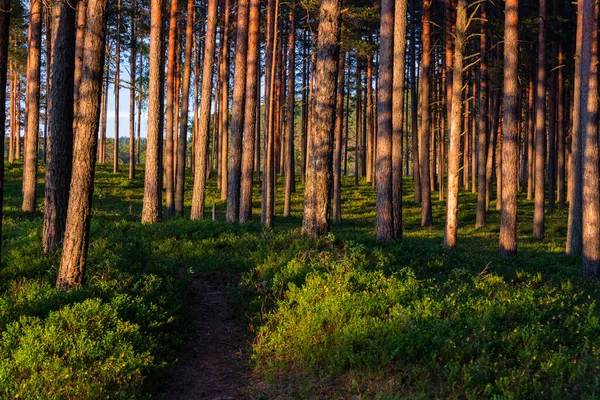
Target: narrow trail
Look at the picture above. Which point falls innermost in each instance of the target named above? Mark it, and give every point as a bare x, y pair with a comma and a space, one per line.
213, 364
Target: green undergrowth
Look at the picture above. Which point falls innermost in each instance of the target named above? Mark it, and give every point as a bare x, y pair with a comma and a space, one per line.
335, 317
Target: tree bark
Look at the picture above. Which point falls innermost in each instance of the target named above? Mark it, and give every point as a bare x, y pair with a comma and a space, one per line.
425, 130
224, 105
251, 113
79, 43
560, 186
589, 138
117, 87
482, 117
413, 105
4, 31
132, 72
237, 114
318, 171
337, 155
32, 99
60, 130
291, 103
74, 256
183, 119
540, 127
170, 117
152, 207
199, 190
450, 233
510, 177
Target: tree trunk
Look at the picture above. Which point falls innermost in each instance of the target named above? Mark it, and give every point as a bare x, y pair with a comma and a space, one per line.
33, 108
413, 105
251, 113
510, 177
482, 117
398, 113
152, 207
79, 43
540, 127
318, 171
132, 72
199, 190
589, 139
384, 226
575, 228
117, 87
425, 131
237, 114
4, 31
224, 106
450, 233
337, 155
291, 103
60, 110
170, 117
560, 186
183, 119
74, 256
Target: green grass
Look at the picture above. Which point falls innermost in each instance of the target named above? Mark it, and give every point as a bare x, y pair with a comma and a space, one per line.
340, 316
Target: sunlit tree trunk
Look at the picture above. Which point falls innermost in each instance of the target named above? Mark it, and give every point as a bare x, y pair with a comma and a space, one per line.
32, 106
117, 87
79, 43
450, 233
510, 177
199, 190
291, 103
152, 207
337, 155
425, 129
237, 114
318, 171
4, 30
183, 119
224, 101
251, 113
384, 226
574, 226
132, 72
540, 127
60, 130
74, 256
170, 114
589, 139
482, 119
414, 104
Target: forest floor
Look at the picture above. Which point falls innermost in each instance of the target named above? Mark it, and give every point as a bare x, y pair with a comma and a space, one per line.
213, 362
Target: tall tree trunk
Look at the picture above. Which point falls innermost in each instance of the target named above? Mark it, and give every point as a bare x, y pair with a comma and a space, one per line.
183, 119
117, 87
224, 106
199, 190
237, 114
60, 145
291, 103
589, 139
384, 226
552, 102
74, 256
268, 196
138, 146
482, 116
574, 226
540, 127
33, 107
337, 155
79, 43
132, 72
170, 117
398, 113
560, 130
530, 139
369, 132
4, 31
510, 177
152, 207
318, 171
414, 104
450, 234
425, 130
102, 145
251, 113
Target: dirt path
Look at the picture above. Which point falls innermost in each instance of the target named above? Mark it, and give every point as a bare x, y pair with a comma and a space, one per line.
213, 364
